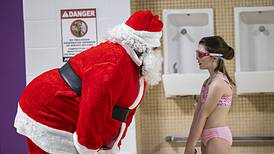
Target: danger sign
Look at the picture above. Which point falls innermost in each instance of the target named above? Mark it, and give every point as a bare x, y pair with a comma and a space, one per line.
78, 30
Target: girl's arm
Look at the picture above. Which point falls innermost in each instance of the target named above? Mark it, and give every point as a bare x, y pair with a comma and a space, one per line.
193, 122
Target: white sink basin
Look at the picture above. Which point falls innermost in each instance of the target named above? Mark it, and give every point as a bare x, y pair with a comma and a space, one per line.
182, 32
254, 48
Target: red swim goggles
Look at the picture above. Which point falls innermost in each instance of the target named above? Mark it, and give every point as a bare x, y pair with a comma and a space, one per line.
203, 53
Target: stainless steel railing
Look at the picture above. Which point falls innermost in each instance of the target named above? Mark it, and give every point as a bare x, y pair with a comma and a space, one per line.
237, 139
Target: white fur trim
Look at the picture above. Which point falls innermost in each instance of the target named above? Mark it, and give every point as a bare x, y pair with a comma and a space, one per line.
151, 39
81, 148
134, 41
140, 93
115, 148
132, 55
139, 40
49, 139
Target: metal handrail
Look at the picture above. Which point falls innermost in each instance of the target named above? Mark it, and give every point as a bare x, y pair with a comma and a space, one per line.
239, 139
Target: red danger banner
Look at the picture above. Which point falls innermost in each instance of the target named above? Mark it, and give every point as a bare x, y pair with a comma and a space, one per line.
78, 13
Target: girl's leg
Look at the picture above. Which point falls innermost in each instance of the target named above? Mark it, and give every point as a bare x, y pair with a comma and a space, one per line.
203, 148
218, 145
34, 149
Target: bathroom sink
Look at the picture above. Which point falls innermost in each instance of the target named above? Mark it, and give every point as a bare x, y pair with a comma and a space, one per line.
182, 32
254, 48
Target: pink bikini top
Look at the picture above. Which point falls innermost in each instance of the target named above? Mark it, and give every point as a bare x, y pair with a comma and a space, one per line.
223, 101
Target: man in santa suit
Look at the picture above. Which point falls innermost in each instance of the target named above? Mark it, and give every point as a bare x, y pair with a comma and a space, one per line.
87, 105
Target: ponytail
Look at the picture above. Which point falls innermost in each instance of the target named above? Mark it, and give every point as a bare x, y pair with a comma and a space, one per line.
221, 67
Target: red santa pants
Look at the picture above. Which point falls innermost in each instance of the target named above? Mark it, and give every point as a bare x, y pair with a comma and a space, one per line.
34, 149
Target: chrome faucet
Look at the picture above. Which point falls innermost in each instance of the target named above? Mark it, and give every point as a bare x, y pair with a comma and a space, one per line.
174, 66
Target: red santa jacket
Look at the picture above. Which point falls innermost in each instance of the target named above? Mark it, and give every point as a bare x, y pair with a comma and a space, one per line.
56, 119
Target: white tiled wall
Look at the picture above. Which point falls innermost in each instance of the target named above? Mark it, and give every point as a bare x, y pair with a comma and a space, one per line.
42, 26
40, 34
39, 9
40, 60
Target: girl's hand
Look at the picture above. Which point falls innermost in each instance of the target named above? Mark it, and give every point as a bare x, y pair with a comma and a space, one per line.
190, 150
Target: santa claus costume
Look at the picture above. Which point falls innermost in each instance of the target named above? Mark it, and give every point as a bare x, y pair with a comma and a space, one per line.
58, 119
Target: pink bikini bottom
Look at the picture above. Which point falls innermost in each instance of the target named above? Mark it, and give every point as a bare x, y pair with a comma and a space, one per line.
220, 132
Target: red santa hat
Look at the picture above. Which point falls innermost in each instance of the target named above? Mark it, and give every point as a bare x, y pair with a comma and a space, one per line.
145, 21
141, 29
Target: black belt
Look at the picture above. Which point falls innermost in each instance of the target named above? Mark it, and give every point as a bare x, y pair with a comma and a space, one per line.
120, 113
71, 78
75, 83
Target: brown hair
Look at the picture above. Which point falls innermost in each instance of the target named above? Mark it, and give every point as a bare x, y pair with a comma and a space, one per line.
216, 44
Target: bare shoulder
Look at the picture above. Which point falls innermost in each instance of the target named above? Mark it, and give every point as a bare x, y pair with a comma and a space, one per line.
220, 85
217, 83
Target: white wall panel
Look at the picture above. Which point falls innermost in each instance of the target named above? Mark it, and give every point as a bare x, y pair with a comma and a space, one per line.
40, 34
39, 9
40, 60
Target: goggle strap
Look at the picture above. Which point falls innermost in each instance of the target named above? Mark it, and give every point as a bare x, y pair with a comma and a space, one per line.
216, 54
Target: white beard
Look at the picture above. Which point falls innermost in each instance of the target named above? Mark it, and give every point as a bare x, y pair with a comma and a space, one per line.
152, 67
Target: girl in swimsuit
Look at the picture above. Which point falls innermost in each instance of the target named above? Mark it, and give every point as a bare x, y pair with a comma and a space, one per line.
209, 120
